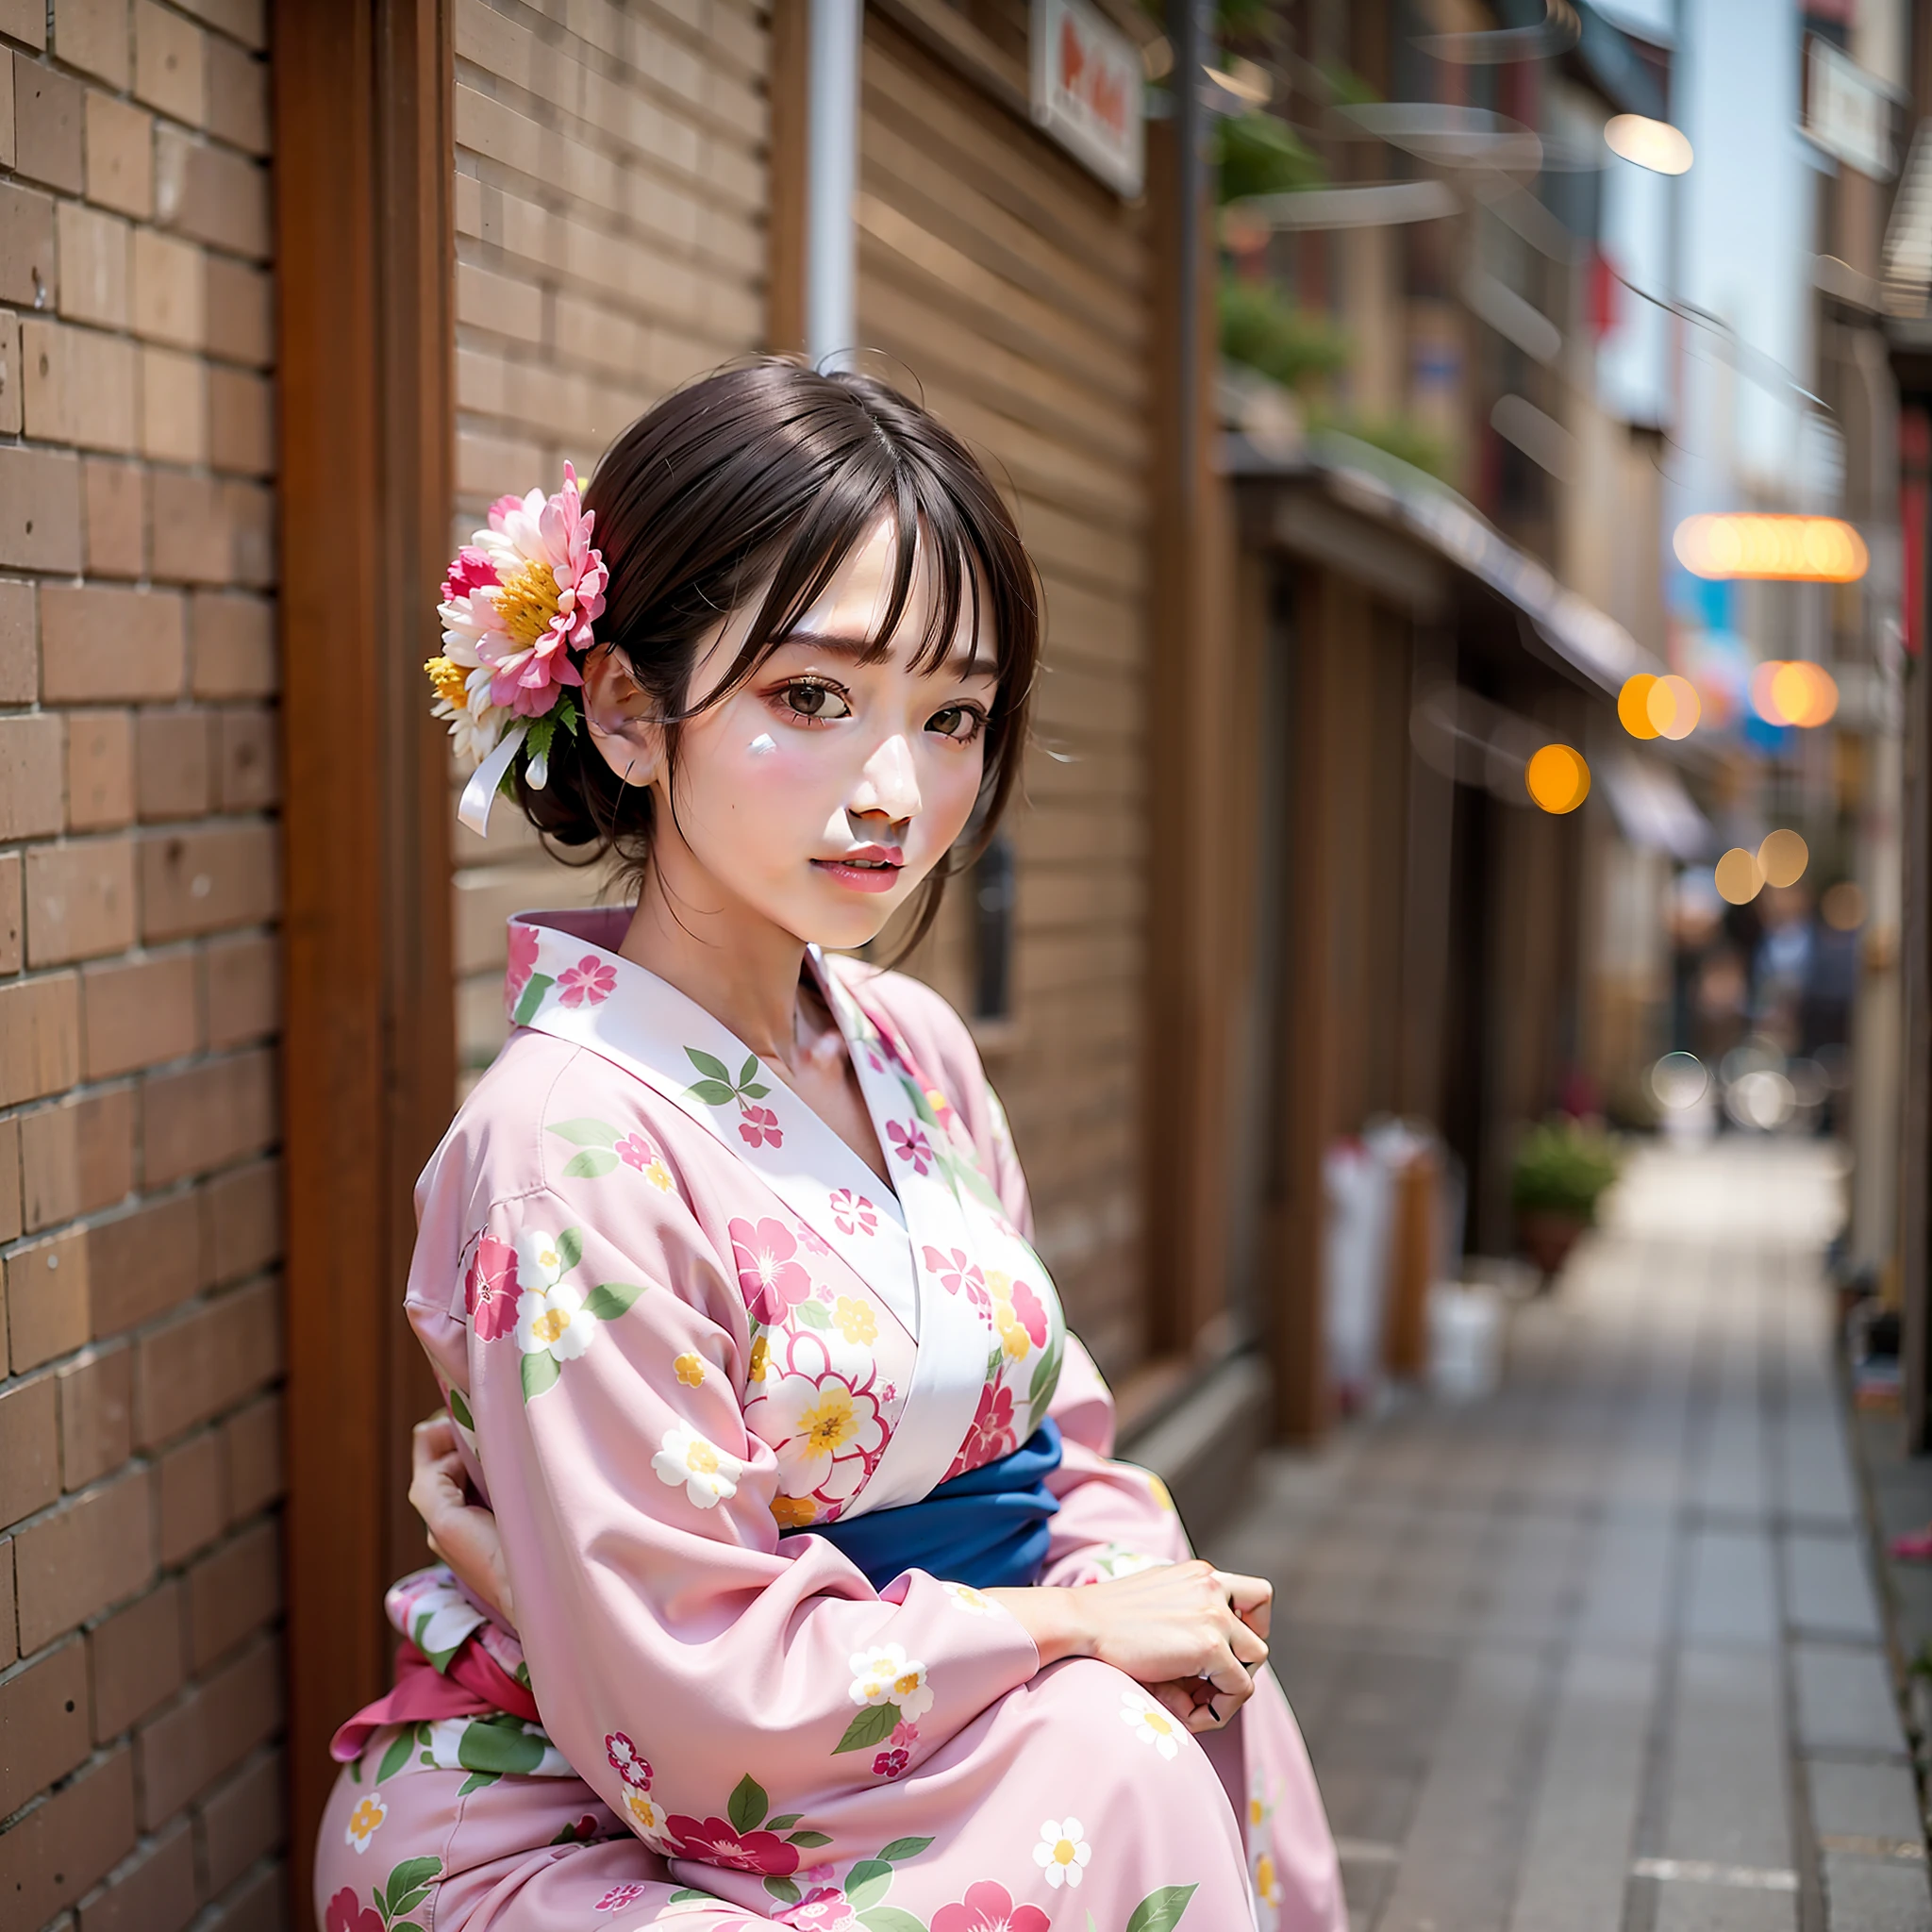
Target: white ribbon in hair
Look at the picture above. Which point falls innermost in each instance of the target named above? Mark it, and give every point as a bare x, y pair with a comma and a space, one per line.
479, 794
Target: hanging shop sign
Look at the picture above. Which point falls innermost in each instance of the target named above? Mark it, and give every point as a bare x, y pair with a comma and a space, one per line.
1087, 92
1848, 110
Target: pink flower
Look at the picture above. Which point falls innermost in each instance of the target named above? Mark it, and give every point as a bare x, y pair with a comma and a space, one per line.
346, 1913
990, 1434
990, 1907
912, 1146
717, 1842
758, 1125
634, 1151
589, 983
627, 1761
469, 569
808, 1239
619, 1896
825, 1908
769, 1279
490, 1289
854, 1213
523, 962
956, 1273
891, 1763
1029, 1313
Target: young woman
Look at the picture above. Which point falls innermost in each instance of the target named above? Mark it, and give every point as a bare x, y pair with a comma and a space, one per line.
811, 1593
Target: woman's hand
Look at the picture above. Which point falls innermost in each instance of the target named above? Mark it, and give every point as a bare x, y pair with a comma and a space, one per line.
462, 1533
1193, 1635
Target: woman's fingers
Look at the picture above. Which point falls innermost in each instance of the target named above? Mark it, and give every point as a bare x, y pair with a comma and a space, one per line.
1248, 1647
1251, 1598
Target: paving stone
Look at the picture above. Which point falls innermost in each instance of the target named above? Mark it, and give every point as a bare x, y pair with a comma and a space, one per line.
1690, 1907
1855, 1799
1875, 1895
1844, 1700
1725, 1803
1732, 1596
1827, 1592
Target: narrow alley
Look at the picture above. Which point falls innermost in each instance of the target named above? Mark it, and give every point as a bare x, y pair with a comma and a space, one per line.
1604, 1652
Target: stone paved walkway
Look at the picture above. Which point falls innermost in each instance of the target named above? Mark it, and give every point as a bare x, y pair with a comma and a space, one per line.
1602, 1654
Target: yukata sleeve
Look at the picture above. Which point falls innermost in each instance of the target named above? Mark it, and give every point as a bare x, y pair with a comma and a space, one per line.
681, 1656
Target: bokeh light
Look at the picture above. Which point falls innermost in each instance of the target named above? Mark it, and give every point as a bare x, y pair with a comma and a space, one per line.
1679, 1081
1782, 858
1672, 706
1647, 144
1740, 877
1802, 550
1633, 706
1843, 906
1793, 692
1557, 779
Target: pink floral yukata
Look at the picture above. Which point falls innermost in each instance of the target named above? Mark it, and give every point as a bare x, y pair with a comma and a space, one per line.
674, 1314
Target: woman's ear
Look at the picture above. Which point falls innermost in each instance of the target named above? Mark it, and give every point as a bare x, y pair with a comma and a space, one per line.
618, 715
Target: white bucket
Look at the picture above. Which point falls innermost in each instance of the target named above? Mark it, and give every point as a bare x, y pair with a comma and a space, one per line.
1465, 1342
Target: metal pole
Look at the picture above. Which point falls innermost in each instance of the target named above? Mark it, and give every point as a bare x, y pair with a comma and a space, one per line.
1191, 32
831, 179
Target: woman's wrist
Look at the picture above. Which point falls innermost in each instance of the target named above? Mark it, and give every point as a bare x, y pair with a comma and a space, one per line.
1055, 1619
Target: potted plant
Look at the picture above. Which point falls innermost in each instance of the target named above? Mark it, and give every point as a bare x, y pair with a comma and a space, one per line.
1562, 1168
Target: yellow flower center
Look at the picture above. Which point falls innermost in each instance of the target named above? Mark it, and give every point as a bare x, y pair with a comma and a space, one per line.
701, 1457
549, 1325
831, 1422
1159, 1726
691, 1370
448, 677
906, 1685
526, 601
794, 1512
1254, 1810
1264, 1878
854, 1319
1064, 1852
760, 1358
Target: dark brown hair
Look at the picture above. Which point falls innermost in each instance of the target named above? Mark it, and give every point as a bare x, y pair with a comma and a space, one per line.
768, 474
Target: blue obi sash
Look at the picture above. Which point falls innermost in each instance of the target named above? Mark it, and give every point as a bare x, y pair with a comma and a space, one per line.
985, 1527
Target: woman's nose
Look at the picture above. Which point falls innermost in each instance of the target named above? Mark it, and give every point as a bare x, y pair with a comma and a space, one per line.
889, 782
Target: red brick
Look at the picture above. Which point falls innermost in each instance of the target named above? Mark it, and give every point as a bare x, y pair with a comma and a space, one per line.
211, 195
135, 1659
174, 754
241, 422
100, 770
246, 763
141, 1012
77, 1156
25, 20
26, 242
96, 1414
30, 1448
206, 1114
185, 1749
258, 1904
252, 1446
193, 1502
12, 1191
119, 145
12, 376
92, 35
243, 1211
12, 920
97, 1548
156, 1893
237, 96
102, 642
170, 63
242, 20
143, 1263
31, 787
42, 1724
47, 121
241, 311
202, 881
114, 497
231, 1591
244, 990
205, 1360
79, 900
48, 1310
234, 646
68, 1841
241, 1821
210, 531
20, 657
9, 1649
39, 1037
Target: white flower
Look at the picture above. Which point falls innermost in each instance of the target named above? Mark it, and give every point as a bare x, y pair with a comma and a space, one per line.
647, 1818
1062, 1852
365, 1820
887, 1676
539, 1260
553, 1321
814, 1425
1117, 1559
710, 1476
1150, 1724
976, 1602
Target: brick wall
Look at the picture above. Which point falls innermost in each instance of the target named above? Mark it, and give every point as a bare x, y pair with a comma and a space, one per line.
609, 208
140, 1430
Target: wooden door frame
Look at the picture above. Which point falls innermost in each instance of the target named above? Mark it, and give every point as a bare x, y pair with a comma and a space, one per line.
364, 275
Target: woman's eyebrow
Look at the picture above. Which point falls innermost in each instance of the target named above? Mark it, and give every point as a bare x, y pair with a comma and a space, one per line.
966, 663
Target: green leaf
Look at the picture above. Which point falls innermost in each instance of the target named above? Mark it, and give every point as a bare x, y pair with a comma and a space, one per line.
589, 1165
354, 1770
748, 1805
570, 1247
540, 983
867, 1883
459, 1409
783, 1891
872, 1726
412, 1875
566, 714
814, 1314
1046, 1378
586, 1133
749, 1072
475, 1782
395, 1756
903, 1848
709, 1063
784, 1824
1160, 1910
537, 745
540, 1372
755, 1091
412, 1899
408, 1925
889, 1919
809, 1839
499, 1744
609, 1299
685, 1897
712, 1092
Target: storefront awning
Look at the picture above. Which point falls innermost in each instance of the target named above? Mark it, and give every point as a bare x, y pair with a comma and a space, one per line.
1652, 808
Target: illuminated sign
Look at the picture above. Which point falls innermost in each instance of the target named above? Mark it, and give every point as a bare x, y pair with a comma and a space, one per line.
1799, 550
1086, 82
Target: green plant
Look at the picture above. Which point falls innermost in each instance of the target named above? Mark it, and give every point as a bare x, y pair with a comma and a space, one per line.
1562, 1167
1401, 437
1259, 154
1262, 327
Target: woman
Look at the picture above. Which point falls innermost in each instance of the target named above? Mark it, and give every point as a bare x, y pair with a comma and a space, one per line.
810, 1595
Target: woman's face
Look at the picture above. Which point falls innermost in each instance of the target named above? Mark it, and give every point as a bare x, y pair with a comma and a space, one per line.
820, 793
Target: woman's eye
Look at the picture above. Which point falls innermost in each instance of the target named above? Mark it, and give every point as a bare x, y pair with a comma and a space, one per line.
817, 700
961, 721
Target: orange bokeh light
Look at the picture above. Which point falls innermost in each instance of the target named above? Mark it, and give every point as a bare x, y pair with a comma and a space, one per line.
1633, 706
1740, 877
1557, 779
1672, 706
1793, 692
1797, 550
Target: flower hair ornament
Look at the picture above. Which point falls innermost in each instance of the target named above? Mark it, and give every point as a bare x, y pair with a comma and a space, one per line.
518, 604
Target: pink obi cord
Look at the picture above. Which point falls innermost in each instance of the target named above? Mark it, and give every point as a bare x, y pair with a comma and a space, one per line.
473, 1685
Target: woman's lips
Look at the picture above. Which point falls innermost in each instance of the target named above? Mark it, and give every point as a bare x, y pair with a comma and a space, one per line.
870, 876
